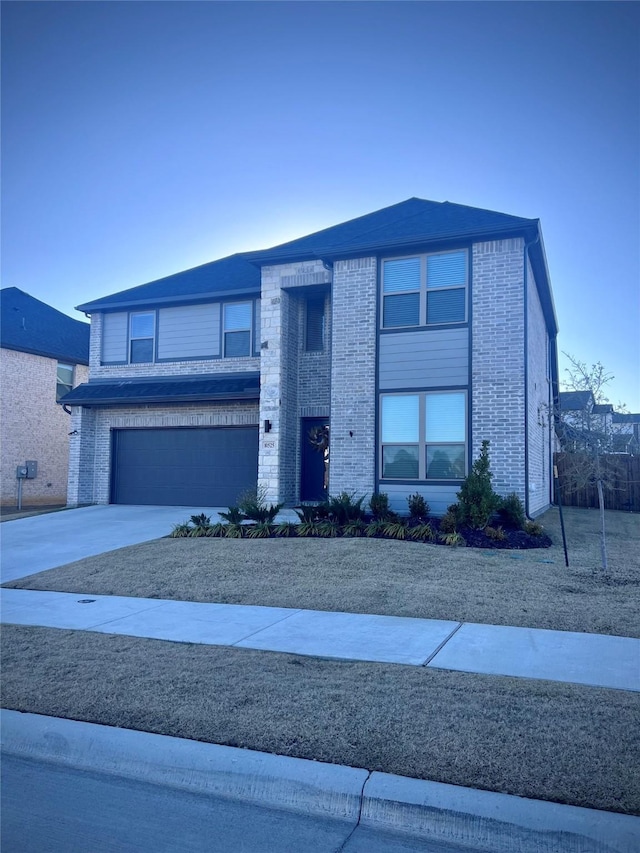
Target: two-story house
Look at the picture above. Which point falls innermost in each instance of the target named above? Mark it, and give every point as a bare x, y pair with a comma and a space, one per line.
375, 355
44, 353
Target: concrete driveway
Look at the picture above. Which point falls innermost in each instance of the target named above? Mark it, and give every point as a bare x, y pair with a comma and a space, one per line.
29, 545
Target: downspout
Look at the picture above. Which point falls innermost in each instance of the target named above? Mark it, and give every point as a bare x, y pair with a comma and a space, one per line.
526, 371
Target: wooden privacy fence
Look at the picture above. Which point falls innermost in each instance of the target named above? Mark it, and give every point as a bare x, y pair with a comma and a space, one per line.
623, 473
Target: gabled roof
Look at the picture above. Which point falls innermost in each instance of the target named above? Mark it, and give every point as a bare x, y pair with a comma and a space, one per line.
575, 401
626, 418
415, 220
29, 325
236, 386
411, 225
227, 276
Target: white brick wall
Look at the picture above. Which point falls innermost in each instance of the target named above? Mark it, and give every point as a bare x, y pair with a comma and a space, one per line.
498, 360
34, 427
353, 390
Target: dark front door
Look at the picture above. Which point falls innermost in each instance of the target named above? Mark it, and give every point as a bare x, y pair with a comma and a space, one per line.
188, 466
314, 456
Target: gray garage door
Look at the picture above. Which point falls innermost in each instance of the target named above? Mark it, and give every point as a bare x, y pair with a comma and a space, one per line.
184, 467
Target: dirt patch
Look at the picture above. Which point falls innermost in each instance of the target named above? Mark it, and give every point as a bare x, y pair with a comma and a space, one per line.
522, 588
545, 740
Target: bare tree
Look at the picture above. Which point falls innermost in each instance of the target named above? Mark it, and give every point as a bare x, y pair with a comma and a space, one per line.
586, 431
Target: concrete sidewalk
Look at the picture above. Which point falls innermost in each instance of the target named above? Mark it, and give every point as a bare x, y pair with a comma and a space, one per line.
421, 815
591, 659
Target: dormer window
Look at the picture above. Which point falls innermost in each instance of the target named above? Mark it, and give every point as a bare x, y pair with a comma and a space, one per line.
142, 337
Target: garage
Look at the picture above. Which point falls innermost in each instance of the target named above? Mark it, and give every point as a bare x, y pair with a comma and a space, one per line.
188, 466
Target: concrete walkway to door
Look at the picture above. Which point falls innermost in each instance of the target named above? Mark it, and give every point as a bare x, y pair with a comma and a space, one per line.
30, 545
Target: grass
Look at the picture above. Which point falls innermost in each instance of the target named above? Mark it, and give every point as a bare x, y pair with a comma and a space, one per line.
523, 588
544, 740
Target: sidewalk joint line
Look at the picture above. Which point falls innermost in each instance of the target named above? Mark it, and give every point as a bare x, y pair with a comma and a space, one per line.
442, 644
264, 627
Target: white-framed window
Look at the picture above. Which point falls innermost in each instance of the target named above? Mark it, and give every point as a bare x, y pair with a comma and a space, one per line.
424, 290
64, 380
237, 325
423, 435
142, 327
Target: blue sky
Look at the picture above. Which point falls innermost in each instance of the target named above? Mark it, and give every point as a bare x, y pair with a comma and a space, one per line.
142, 138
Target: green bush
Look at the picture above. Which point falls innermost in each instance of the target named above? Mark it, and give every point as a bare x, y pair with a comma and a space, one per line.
533, 528
495, 533
201, 520
254, 506
286, 528
233, 530
308, 528
422, 533
449, 521
328, 528
511, 511
345, 507
233, 515
374, 528
379, 506
307, 513
395, 529
452, 539
354, 528
261, 530
418, 507
181, 530
477, 500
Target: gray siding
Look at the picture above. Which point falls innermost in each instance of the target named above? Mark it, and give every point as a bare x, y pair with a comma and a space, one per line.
438, 497
189, 331
114, 337
429, 358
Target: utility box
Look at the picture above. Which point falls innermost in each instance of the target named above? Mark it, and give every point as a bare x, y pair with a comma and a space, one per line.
32, 469
21, 472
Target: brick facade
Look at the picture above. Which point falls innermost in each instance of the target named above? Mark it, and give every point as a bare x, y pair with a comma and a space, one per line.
34, 427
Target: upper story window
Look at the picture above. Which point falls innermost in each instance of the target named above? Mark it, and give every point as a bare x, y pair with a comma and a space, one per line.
142, 337
423, 436
64, 380
237, 329
424, 290
314, 328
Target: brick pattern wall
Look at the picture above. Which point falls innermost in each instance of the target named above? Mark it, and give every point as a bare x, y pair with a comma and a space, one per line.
498, 360
353, 389
539, 401
167, 368
278, 455
35, 427
90, 468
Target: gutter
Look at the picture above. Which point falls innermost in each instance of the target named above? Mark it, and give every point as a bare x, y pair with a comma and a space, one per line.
181, 299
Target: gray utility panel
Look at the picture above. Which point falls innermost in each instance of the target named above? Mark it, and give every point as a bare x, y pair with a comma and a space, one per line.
199, 466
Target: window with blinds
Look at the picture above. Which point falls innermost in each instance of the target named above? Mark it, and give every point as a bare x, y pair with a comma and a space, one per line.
314, 328
142, 337
424, 290
423, 436
237, 329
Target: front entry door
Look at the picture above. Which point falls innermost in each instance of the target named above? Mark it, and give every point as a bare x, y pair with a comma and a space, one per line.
314, 458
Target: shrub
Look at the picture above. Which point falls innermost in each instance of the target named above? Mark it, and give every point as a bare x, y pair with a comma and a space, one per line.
452, 539
233, 515
254, 506
533, 528
418, 507
477, 500
495, 533
511, 511
374, 528
449, 521
308, 528
307, 513
261, 530
201, 520
233, 531
286, 528
379, 505
422, 533
345, 507
328, 529
354, 528
395, 529
181, 530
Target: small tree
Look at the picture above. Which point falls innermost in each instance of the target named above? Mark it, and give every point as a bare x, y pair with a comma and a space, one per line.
477, 500
587, 435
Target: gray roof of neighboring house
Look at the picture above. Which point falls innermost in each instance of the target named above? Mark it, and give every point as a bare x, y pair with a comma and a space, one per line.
29, 325
626, 418
411, 225
237, 386
574, 401
226, 276
602, 409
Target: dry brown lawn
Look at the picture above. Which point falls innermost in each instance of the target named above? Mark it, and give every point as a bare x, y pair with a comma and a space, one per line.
523, 588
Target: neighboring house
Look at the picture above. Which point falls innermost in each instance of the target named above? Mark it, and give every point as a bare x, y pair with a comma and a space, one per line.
582, 423
406, 336
44, 355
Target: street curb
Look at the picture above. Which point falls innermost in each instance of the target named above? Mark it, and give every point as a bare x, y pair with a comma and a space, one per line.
276, 781
492, 822
482, 820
